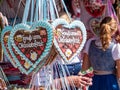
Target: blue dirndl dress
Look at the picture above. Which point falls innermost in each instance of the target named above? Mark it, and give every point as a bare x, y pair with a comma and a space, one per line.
103, 61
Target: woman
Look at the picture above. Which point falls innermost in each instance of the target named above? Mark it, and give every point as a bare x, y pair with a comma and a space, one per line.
103, 54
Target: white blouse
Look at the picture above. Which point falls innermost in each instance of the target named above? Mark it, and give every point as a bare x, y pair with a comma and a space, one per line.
115, 49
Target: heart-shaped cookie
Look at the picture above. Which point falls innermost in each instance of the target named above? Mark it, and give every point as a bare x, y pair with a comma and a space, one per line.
32, 43
95, 26
4, 40
69, 39
95, 8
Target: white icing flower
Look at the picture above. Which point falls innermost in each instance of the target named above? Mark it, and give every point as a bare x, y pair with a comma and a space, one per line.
68, 52
33, 56
27, 65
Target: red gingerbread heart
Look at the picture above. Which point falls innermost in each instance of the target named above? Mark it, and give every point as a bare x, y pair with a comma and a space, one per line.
95, 8
30, 45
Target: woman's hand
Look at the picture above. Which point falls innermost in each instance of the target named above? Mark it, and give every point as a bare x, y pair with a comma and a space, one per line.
79, 81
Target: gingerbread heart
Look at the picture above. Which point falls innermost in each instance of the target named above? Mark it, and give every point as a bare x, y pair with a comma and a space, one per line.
95, 26
69, 39
94, 8
32, 44
4, 40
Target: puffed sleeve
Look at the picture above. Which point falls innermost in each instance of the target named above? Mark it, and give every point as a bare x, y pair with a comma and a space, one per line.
116, 52
87, 45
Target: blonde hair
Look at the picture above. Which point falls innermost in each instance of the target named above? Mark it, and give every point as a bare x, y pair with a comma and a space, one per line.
107, 26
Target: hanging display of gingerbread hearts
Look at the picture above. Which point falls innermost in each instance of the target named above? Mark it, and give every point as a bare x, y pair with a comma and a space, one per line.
69, 39
94, 24
32, 44
95, 8
4, 40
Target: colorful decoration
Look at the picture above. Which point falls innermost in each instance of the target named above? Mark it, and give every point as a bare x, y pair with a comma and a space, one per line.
30, 45
68, 38
4, 40
95, 8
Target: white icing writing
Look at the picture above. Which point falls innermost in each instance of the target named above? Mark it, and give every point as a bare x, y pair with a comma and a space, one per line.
29, 45
69, 37
31, 41
66, 39
69, 33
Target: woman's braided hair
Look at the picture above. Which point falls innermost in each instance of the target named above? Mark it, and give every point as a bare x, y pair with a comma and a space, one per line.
107, 26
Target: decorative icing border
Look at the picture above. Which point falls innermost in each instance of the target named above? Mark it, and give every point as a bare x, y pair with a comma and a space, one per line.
73, 24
